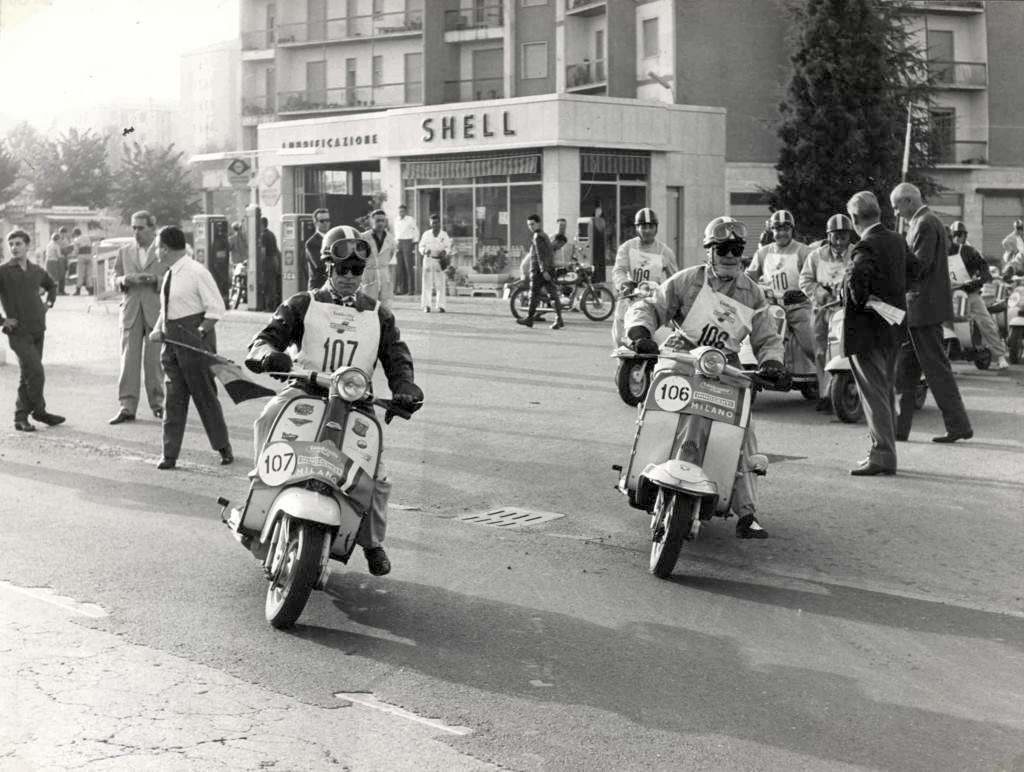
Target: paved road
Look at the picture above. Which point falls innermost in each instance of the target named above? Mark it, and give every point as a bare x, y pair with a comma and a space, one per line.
882, 625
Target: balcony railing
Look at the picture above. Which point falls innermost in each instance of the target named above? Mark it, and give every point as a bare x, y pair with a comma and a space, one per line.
354, 98
256, 40
585, 73
950, 5
579, 6
973, 74
476, 17
332, 30
958, 152
472, 90
258, 105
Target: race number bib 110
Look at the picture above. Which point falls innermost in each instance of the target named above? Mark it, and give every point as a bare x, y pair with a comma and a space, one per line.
673, 393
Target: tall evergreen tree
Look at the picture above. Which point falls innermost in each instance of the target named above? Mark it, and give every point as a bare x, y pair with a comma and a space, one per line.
10, 176
73, 171
856, 70
156, 179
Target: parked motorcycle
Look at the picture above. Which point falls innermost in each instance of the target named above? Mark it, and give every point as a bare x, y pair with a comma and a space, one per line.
597, 302
239, 285
312, 487
681, 495
1015, 323
804, 374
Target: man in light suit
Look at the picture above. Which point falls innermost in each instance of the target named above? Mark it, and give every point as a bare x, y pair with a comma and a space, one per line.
377, 278
138, 274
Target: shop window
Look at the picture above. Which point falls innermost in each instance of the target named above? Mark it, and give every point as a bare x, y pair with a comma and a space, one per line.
649, 30
524, 200
535, 60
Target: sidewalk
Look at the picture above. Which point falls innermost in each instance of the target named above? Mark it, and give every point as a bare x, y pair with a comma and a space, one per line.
74, 696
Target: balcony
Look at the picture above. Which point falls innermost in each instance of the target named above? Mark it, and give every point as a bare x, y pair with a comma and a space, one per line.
474, 90
396, 24
950, 6
585, 76
958, 152
959, 75
474, 18
585, 7
354, 99
257, 109
258, 44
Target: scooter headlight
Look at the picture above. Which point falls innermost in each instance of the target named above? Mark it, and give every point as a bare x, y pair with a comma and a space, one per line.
711, 363
1014, 299
351, 383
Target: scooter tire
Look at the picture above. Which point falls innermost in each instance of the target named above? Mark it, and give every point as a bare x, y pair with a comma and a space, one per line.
672, 520
1015, 345
519, 302
983, 359
845, 398
288, 593
633, 379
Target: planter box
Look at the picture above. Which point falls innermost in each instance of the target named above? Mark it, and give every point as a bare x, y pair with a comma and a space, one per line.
486, 284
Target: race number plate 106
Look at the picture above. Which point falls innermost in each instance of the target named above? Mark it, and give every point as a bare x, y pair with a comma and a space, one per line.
277, 463
673, 393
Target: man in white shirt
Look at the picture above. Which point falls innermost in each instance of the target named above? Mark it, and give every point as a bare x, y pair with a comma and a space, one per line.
377, 279
407, 235
435, 246
190, 305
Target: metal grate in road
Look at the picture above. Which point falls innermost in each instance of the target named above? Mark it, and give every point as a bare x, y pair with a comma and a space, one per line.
509, 517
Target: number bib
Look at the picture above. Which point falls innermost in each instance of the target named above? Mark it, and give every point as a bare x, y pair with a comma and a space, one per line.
958, 275
339, 336
782, 271
831, 272
717, 320
645, 266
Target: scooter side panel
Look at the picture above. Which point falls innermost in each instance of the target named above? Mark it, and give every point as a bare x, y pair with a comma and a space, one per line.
299, 421
345, 541
257, 508
362, 441
652, 443
721, 459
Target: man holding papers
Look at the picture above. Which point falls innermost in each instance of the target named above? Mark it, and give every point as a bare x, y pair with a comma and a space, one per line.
876, 276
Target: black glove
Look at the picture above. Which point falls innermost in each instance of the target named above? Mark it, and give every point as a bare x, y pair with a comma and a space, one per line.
276, 362
972, 286
772, 370
406, 399
793, 296
627, 288
640, 340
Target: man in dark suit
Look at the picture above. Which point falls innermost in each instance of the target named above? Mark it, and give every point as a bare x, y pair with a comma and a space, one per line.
877, 268
314, 265
929, 304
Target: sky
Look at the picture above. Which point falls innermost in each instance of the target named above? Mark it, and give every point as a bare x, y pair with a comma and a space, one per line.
59, 55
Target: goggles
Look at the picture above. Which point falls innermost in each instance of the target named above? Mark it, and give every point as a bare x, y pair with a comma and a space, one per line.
345, 247
356, 269
726, 231
778, 226
734, 248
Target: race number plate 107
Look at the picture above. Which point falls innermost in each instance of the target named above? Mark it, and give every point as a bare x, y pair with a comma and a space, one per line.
276, 464
673, 393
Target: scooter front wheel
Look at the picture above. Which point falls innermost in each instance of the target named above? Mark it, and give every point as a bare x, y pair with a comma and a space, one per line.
845, 398
295, 572
633, 378
672, 520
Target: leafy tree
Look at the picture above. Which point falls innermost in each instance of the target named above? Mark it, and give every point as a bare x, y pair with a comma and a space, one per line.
73, 171
856, 69
10, 176
27, 146
157, 180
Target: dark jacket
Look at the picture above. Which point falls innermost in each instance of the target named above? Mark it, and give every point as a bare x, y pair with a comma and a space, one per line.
878, 266
287, 327
929, 297
19, 296
975, 264
314, 265
542, 259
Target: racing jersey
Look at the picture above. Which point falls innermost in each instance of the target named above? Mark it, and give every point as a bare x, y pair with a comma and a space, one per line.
822, 273
779, 267
636, 262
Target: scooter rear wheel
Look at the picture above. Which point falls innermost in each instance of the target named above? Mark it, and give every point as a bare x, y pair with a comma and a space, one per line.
1015, 345
633, 378
297, 575
845, 398
672, 520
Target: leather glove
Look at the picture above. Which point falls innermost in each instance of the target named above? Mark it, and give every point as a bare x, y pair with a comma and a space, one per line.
973, 286
793, 296
627, 288
407, 398
276, 361
773, 370
640, 338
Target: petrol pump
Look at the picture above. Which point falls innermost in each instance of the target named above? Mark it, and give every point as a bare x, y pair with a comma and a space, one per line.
584, 242
254, 240
296, 229
210, 234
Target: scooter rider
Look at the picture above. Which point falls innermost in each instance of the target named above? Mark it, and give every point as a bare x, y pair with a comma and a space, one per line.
969, 271
777, 266
313, 322
1013, 254
716, 304
642, 258
820, 279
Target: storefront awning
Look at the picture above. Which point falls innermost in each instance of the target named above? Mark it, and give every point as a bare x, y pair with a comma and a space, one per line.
614, 163
456, 168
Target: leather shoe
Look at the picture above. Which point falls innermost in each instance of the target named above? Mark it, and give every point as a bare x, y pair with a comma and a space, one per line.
557, 325
167, 463
226, 456
50, 419
526, 322
377, 561
122, 416
747, 527
870, 469
902, 437
954, 436
158, 413
23, 425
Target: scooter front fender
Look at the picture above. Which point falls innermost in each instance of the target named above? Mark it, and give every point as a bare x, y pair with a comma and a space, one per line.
680, 476
1017, 321
838, 364
304, 505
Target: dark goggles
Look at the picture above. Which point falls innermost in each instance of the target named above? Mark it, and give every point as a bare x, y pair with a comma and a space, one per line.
734, 248
352, 267
729, 230
342, 249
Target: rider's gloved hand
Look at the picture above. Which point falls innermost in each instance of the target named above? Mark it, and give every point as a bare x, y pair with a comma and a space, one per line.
407, 398
793, 296
627, 288
973, 286
773, 370
276, 362
640, 340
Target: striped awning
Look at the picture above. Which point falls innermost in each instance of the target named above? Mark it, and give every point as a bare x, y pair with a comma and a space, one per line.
460, 168
614, 163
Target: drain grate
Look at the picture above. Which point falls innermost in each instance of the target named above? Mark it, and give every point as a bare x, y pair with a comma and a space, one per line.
509, 517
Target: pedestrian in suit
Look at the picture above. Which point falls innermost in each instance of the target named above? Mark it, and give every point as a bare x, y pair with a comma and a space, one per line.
377, 282
138, 274
407, 236
190, 306
878, 267
315, 272
542, 274
929, 304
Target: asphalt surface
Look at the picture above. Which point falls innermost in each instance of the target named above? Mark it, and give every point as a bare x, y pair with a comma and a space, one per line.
881, 625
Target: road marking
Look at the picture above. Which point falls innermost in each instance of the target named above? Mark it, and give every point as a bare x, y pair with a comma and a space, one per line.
367, 700
46, 595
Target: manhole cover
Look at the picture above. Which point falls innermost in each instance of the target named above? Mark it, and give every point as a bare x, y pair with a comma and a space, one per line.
509, 517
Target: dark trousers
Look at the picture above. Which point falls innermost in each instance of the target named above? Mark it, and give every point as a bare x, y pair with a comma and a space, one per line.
28, 347
187, 374
875, 372
537, 284
405, 283
922, 350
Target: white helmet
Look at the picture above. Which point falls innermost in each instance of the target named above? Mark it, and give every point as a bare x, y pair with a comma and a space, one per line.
838, 222
342, 242
724, 239
645, 216
781, 217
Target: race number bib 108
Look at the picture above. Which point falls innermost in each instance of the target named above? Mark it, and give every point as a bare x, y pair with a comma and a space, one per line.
277, 463
673, 393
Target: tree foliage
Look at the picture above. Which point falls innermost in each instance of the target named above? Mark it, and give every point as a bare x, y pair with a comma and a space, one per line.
27, 146
157, 180
856, 69
73, 171
10, 176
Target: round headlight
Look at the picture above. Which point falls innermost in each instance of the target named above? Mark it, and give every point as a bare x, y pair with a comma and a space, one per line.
1014, 298
352, 384
711, 363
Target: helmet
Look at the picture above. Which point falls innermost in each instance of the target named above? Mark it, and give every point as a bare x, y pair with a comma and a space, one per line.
1018, 224
958, 227
645, 216
342, 242
838, 222
781, 217
723, 229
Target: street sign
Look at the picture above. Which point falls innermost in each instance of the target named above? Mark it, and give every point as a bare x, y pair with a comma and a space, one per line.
239, 173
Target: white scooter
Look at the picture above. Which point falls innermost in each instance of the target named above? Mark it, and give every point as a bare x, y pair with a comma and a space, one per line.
803, 373
312, 487
962, 336
1015, 323
678, 494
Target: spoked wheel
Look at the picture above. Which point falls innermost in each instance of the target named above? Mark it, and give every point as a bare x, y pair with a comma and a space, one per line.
845, 398
633, 377
670, 524
597, 303
295, 551
1015, 345
519, 302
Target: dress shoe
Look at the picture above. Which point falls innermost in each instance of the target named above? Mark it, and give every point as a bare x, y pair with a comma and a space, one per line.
158, 413
870, 469
167, 463
525, 321
377, 560
902, 437
954, 436
50, 419
226, 456
122, 416
558, 324
426, 310
747, 527
23, 425
441, 311
824, 405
